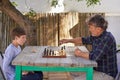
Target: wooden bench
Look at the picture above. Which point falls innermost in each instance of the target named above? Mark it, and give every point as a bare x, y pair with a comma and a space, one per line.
97, 76
57, 76
72, 76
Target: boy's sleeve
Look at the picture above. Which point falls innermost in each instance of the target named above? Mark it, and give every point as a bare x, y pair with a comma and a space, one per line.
8, 58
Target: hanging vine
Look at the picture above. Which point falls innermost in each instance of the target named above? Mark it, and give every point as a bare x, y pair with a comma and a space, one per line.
54, 3
31, 12
92, 2
88, 2
14, 4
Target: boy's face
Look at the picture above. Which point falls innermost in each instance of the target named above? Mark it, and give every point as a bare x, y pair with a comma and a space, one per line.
21, 40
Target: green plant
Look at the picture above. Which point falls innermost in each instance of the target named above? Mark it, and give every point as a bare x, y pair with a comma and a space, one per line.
54, 3
14, 4
92, 2
31, 13
88, 2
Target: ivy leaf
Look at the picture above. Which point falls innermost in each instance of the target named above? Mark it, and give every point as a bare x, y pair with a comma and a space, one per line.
31, 13
92, 2
54, 3
14, 4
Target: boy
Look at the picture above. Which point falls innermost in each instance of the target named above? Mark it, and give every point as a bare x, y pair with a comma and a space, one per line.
18, 36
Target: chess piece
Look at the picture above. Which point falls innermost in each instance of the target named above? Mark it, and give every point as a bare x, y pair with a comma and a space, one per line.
53, 53
45, 52
62, 52
64, 47
50, 53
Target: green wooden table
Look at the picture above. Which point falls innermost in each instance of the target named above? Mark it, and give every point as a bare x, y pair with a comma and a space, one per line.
30, 59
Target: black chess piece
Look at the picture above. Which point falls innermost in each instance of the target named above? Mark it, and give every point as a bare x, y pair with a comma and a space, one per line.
50, 53
53, 53
64, 47
45, 52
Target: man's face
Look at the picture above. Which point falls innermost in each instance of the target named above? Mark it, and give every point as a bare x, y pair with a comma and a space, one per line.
95, 31
21, 40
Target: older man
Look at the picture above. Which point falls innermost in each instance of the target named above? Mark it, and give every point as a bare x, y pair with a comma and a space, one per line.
103, 48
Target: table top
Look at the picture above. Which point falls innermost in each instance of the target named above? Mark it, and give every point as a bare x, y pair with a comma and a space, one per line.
32, 56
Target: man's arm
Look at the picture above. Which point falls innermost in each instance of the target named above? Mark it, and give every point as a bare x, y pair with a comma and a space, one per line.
79, 53
77, 40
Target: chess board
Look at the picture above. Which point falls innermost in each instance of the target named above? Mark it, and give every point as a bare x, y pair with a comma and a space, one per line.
54, 53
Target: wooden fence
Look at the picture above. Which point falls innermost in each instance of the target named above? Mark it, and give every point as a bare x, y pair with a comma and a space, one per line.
49, 28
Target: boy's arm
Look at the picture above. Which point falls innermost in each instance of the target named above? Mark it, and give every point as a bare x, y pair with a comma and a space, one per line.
8, 57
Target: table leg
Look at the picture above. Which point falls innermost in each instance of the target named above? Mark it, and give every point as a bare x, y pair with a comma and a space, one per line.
89, 74
18, 72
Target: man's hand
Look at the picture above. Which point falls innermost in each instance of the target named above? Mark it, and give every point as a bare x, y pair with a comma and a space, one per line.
79, 53
77, 40
63, 41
